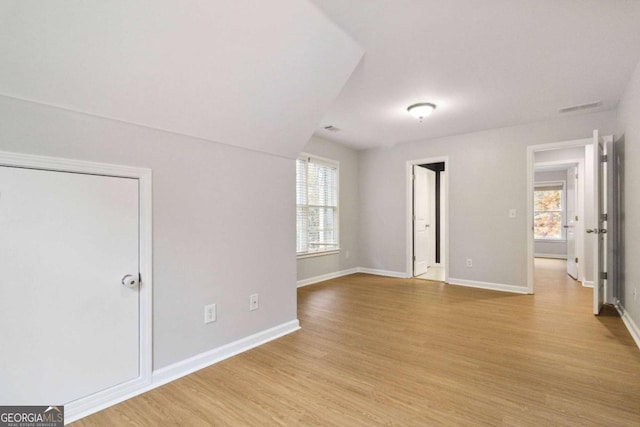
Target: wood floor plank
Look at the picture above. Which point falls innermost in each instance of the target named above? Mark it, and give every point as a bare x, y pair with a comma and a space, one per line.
405, 352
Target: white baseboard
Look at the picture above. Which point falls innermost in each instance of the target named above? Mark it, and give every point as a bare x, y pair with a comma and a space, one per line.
93, 403
208, 358
336, 274
387, 273
323, 277
185, 367
554, 256
630, 324
587, 283
488, 285
401, 275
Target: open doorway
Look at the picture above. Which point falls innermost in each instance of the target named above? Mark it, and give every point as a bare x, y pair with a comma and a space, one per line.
582, 227
558, 208
427, 230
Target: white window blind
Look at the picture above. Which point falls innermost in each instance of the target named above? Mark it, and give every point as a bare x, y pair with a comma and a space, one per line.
316, 205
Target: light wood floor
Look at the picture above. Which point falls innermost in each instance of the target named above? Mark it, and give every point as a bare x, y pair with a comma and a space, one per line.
383, 351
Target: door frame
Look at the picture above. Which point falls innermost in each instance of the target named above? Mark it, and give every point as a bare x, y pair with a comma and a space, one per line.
444, 240
531, 150
99, 400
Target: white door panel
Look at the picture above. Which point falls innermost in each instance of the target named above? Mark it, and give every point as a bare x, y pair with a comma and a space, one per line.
571, 225
424, 219
599, 226
69, 327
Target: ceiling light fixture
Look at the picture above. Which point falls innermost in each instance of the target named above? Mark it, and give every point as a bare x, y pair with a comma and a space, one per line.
421, 110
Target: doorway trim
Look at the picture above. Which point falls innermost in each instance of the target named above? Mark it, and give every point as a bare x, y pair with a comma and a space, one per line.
531, 150
409, 212
102, 399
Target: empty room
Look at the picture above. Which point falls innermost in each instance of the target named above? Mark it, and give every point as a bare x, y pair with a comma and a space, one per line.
320, 212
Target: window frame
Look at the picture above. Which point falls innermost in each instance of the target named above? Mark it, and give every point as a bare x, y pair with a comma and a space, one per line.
312, 158
539, 186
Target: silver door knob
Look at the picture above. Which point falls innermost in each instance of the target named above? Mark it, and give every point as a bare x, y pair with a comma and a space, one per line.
130, 281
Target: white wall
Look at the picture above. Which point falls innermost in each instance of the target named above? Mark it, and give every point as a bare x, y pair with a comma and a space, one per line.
348, 210
555, 248
629, 135
487, 177
252, 74
559, 155
223, 221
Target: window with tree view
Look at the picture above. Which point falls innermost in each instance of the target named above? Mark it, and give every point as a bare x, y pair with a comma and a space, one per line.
548, 211
316, 205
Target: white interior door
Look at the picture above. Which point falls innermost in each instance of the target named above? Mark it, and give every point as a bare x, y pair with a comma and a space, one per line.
599, 226
424, 219
443, 218
69, 327
571, 224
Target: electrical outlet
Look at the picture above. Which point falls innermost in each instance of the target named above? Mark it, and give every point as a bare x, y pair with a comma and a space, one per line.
469, 262
209, 313
253, 302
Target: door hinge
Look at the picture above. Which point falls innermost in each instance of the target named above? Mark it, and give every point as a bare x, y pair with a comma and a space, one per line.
576, 217
604, 217
576, 260
603, 275
604, 158
414, 257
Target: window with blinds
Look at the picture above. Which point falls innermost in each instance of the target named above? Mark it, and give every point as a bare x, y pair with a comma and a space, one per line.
316, 205
548, 215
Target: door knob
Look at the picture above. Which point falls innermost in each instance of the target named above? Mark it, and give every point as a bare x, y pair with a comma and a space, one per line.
592, 230
130, 281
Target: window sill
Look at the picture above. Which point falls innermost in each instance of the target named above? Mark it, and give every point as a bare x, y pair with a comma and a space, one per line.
315, 254
550, 240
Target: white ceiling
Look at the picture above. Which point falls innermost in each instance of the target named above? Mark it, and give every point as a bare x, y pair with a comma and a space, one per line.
254, 74
486, 64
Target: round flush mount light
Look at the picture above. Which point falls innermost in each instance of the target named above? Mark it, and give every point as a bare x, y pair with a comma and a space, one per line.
421, 110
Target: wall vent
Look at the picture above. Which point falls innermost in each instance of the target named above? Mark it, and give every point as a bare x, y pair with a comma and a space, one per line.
580, 107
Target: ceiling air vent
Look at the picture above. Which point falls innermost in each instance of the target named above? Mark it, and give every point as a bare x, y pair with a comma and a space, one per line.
332, 128
580, 107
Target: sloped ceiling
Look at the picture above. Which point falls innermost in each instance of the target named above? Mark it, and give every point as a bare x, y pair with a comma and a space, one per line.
258, 75
486, 64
